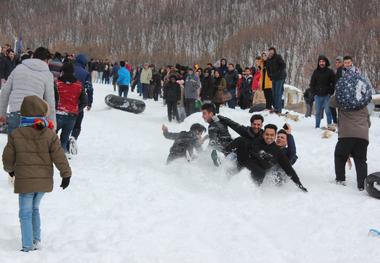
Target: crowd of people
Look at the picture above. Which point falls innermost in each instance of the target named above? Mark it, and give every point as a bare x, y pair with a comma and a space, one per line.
42, 94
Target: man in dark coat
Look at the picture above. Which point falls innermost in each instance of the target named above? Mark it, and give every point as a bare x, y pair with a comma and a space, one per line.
231, 77
184, 142
250, 132
276, 69
322, 85
172, 94
264, 154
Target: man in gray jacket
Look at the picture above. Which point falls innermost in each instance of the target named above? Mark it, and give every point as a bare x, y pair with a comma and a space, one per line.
31, 77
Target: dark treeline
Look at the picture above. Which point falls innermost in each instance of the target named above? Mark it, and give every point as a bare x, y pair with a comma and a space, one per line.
196, 31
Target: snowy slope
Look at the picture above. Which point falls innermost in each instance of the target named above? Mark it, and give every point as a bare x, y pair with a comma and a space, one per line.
125, 205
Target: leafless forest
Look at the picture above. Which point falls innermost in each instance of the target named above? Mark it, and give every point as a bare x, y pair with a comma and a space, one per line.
199, 31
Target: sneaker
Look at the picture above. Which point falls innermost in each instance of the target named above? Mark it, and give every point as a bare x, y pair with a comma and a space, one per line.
37, 245
73, 147
340, 182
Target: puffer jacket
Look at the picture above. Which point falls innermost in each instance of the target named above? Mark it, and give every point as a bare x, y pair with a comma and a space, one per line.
31, 77
30, 153
72, 97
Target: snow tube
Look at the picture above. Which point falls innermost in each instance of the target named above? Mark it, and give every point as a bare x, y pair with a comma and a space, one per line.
372, 185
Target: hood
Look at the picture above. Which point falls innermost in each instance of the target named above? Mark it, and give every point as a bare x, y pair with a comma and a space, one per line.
322, 57
81, 59
33, 106
35, 64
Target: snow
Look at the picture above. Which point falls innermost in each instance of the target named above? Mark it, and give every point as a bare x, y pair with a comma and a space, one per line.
124, 204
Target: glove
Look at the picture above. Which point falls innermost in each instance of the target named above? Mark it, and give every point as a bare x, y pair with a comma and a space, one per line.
12, 174
300, 186
65, 182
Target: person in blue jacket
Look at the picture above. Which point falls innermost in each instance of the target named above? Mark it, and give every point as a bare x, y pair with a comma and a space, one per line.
123, 80
84, 77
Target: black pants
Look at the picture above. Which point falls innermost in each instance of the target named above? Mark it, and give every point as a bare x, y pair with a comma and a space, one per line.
357, 148
189, 106
78, 126
268, 98
172, 110
156, 92
123, 90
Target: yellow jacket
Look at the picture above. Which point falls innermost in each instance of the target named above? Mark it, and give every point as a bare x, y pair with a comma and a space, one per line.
265, 78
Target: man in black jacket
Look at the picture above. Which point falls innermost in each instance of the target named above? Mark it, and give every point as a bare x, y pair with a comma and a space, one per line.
218, 133
172, 94
184, 141
276, 70
249, 132
322, 85
231, 78
264, 154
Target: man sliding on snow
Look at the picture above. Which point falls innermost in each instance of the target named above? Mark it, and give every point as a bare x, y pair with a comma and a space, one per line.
184, 142
250, 132
218, 133
263, 155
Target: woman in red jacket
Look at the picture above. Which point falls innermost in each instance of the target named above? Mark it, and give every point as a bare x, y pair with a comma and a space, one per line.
72, 99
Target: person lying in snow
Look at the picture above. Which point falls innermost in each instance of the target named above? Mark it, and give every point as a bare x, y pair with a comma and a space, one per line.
263, 155
184, 141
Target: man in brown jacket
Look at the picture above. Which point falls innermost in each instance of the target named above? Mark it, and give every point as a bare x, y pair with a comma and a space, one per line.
353, 130
29, 156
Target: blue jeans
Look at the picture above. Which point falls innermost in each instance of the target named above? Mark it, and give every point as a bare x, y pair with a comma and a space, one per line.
322, 103
13, 121
123, 90
66, 123
145, 90
30, 221
232, 102
277, 91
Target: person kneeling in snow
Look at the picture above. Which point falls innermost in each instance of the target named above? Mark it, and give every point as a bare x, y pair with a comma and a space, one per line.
263, 155
184, 141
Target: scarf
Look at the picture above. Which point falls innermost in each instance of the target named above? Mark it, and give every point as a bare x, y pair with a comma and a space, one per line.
36, 122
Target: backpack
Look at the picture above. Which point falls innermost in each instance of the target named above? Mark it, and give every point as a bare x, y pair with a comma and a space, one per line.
353, 91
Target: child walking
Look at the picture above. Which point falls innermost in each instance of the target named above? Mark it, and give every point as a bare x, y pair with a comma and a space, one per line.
28, 157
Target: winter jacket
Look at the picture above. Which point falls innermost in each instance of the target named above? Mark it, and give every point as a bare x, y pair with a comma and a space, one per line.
183, 141
231, 78
308, 96
291, 150
146, 76
192, 85
322, 81
218, 135
72, 97
30, 154
9, 66
208, 89
276, 68
265, 81
244, 131
31, 77
222, 94
256, 81
245, 87
338, 74
84, 77
124, 77
115, 69
265, 156
352, 124
172, 92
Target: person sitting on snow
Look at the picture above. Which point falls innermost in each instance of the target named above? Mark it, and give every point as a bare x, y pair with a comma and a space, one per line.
184, 141
285, 141
251, 132
263, 155
218, 132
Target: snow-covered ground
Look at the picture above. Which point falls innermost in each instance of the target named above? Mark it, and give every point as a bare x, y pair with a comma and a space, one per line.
125, 204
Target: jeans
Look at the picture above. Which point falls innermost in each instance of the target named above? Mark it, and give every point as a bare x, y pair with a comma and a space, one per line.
189, 106
277, 91
66, 123
78, 125
322, 103
232, 102
13, 121
123, 90
29, 216
145, 90
357, 148
100, 77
